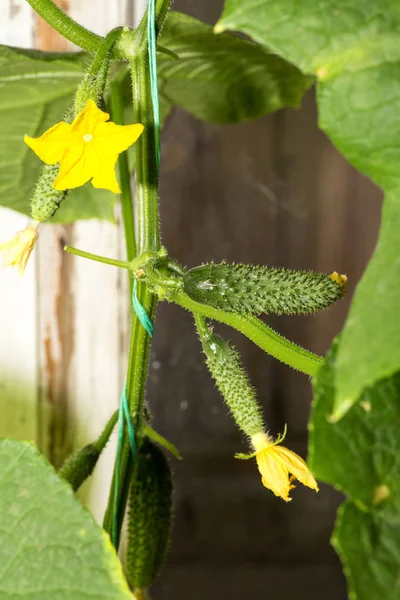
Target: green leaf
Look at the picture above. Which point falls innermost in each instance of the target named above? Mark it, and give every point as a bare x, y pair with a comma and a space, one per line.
50, 547
86, 202
352, 47
223, 78
360, 455
36, 90
369, 547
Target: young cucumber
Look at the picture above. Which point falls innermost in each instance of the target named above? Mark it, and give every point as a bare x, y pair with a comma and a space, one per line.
149, 517
253, 289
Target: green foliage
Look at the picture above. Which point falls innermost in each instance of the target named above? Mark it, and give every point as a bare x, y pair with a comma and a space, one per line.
218, 78
351, 48
369, 546
50, 547
360, 455
150, 514
224, 79
37, 90
350, 45
252, 289
232, 381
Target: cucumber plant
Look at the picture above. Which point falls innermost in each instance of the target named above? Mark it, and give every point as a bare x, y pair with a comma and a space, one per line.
348, 48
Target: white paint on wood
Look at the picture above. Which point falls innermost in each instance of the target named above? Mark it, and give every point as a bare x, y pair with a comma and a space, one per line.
18, 344
16, 23
95, 379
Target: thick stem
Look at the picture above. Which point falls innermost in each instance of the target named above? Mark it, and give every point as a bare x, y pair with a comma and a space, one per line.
117, 114
148, 241
136, 381
67, 27
161, 11
146, 163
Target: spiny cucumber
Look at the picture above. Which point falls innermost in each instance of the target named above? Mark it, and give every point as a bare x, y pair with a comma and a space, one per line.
80, 465
231, 379
256, 289
46, 200
149, 517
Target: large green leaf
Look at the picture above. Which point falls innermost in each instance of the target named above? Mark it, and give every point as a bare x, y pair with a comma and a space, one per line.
352, 48
36, 90
223, 78
50, 547
369, 546
360, 455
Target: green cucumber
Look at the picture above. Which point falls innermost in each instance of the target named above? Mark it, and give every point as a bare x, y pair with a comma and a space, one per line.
252, 289
80, 465
149, 516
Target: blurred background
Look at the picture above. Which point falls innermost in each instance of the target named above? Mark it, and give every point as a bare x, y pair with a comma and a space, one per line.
273, 191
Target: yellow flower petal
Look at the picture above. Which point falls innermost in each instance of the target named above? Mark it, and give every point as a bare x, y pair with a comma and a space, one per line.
113, 139
87, 120
104, 175
75, 168
51, 146
296, 465
274, 475
16, 252
279, 467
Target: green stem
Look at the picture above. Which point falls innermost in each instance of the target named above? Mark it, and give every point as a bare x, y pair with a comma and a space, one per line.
102, 259
162, 8
146, 165
157, 437
135, 382
67, 27
201, 325
117, 113
107, 431
148, 240
266, 338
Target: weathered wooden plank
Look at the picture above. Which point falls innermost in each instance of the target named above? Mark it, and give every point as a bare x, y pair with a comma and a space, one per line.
80, 324
18, 342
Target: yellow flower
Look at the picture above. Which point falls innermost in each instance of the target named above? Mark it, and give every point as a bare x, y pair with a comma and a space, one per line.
17, 251
279, 467
86, 149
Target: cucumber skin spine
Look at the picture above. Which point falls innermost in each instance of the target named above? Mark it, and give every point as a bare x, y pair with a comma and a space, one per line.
149, 516
253, 289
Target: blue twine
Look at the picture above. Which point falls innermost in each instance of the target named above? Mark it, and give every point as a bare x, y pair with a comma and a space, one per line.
124, 414
152, 38
141, 312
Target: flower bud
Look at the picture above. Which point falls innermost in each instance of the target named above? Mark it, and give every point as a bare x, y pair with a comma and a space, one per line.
16, 252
